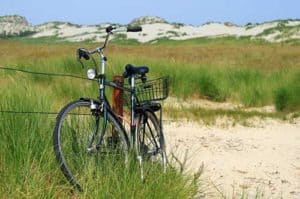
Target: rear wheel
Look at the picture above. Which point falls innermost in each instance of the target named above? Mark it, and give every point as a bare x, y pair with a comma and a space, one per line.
83, 137
150, 140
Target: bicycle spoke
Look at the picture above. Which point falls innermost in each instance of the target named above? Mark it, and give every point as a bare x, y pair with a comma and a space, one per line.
150, 140
76, 136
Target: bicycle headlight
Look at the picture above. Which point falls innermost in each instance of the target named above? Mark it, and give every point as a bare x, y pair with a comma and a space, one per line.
91, 73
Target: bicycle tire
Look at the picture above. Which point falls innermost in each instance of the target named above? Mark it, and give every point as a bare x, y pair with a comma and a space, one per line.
74, 136
150, 141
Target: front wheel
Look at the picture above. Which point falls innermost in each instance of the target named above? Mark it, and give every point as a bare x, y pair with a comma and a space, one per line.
150, 140
84, 135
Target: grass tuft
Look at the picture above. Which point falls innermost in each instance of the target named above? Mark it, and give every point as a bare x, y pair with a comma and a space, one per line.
208, 88
281, 98
287, 96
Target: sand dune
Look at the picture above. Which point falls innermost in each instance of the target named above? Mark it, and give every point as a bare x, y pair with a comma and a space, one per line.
154, 28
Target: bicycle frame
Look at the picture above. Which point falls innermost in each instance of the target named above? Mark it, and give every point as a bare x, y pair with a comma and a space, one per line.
145, 128
102, 94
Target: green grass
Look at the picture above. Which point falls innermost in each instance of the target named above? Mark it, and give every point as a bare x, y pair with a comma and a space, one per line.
252, 73
251, 87
28, 168
41, 40
224, 69
228, 40
210, 116
287, 96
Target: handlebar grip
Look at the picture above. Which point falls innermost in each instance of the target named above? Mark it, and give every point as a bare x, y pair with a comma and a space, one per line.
134, 29
109, 29
82, 52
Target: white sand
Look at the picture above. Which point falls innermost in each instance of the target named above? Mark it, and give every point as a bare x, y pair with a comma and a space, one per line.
254, 159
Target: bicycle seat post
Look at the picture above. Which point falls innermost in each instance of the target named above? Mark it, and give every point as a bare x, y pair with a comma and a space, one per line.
132, 108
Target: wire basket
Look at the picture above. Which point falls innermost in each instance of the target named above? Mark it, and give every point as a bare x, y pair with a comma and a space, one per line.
151, 90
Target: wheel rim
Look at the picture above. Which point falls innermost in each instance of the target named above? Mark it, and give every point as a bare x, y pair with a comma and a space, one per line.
150, 140
80, 152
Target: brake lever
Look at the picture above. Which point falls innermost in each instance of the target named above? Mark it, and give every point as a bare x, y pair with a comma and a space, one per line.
78, 57
94, 61
82, 52
79, 60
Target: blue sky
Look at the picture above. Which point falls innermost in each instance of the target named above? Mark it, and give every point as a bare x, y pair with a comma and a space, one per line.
194, 12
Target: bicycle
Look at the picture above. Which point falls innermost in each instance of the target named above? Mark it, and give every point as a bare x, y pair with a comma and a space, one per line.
87, 130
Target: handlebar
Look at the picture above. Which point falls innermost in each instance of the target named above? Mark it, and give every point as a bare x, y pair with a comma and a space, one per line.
82, 52
112, 29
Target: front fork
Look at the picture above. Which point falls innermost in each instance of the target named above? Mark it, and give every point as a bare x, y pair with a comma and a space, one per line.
103, 109
98, 111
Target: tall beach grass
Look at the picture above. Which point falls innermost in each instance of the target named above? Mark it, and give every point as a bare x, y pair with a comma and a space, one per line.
28, 168
238, 71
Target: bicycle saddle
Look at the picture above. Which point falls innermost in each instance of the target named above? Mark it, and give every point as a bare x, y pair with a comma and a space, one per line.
135, 70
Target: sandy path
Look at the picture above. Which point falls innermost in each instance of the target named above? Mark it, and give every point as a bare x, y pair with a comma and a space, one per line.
263, 159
